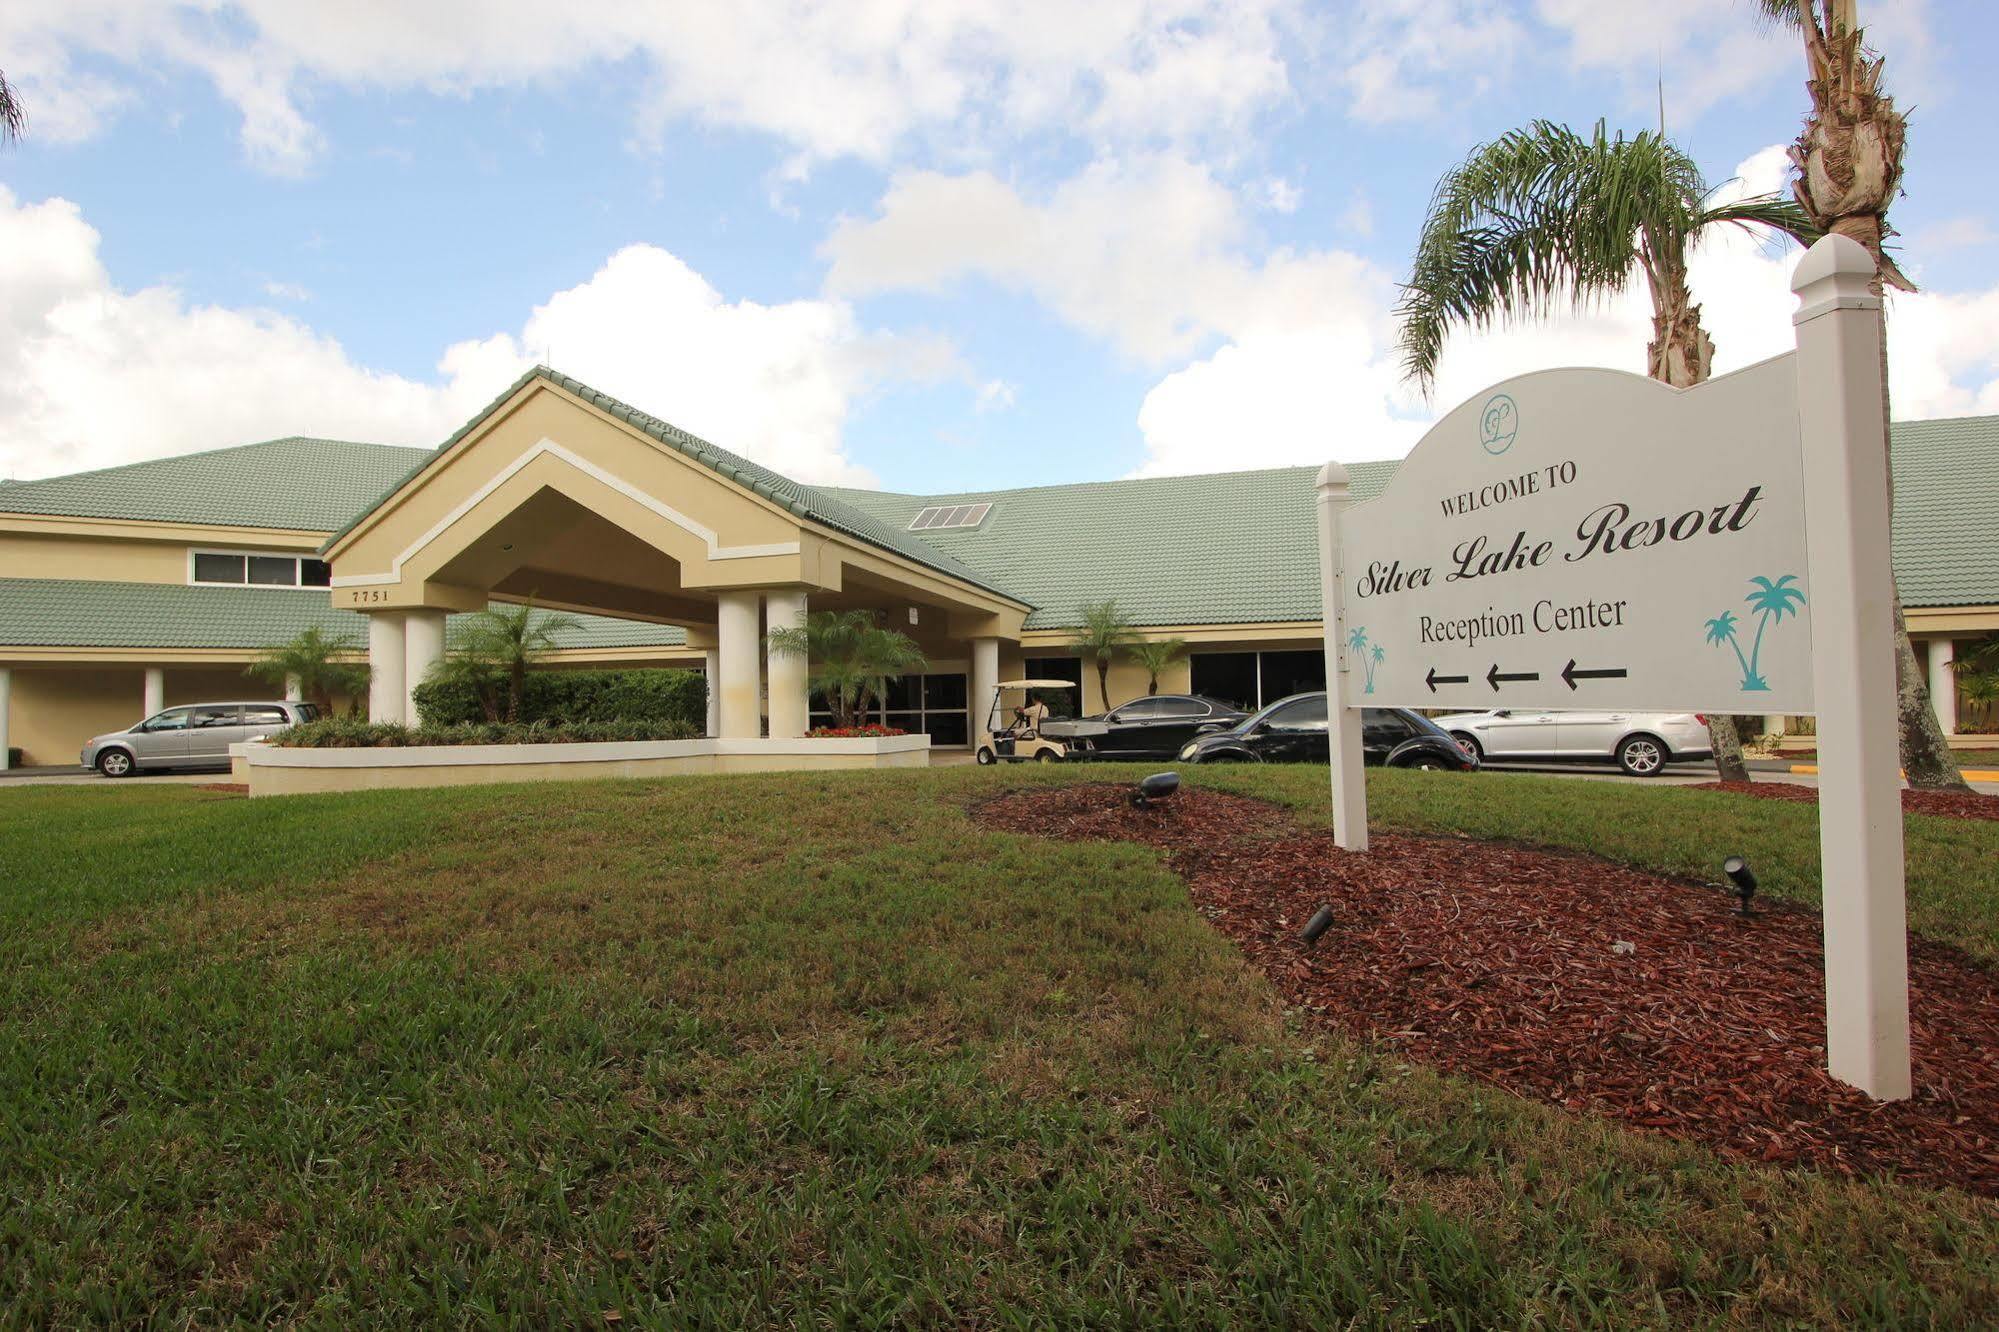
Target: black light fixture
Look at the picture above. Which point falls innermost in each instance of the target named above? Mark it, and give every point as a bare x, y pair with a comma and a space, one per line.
1738, 872
1321, 921
1159, 786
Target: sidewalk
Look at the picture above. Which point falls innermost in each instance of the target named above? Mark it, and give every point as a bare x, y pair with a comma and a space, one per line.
1810, 768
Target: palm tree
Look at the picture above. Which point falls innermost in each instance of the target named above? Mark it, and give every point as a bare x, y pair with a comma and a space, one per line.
1543, 217
313, 661
1103, 634
1154, 655
851, 658
1848, 169
1721, 629
510, 639
13, 116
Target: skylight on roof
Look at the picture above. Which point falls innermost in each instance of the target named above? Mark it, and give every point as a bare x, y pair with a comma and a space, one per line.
938, 517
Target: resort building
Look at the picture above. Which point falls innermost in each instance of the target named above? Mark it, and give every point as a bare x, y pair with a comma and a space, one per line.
134, 588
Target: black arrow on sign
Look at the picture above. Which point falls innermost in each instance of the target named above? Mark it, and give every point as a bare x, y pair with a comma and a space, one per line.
1495, 675
1433, 679
1570, 674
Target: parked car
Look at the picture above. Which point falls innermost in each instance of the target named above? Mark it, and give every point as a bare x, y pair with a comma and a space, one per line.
197, 735
1152, 727
1293, 730
1641, 743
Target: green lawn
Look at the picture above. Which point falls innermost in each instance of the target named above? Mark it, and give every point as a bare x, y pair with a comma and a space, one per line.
818, 1050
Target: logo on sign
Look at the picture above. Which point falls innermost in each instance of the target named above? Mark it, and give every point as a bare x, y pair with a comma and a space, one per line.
1771, 601
1498, 424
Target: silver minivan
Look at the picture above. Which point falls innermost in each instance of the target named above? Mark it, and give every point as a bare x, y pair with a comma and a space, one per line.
197, 735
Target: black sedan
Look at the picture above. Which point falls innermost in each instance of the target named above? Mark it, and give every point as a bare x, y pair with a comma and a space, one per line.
1293, 730
1156, 726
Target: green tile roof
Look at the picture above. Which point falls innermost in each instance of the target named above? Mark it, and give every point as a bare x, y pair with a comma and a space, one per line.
1227, 548
309, 485
74, 612
818, 504
1230, 548
1947, 511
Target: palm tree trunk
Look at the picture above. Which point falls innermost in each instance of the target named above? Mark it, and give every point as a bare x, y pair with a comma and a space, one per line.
1849, 164
1682, 354
1104, 680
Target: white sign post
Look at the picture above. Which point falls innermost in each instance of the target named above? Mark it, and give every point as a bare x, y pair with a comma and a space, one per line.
1591, 540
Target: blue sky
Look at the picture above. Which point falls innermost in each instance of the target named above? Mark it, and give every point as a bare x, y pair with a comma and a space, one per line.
925, 247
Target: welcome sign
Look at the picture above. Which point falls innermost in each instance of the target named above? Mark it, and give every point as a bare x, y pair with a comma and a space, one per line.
1586, 539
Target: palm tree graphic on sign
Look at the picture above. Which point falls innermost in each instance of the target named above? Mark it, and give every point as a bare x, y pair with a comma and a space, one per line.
1771, 601
1371, 656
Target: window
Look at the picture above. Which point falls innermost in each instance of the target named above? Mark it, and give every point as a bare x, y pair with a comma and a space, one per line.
265, 716
210, 717
938, 517
173, 719
223, 568
932, 705
1145, 709
1229, 676
1182, 707
1251, 680
212, 568
1305, 713
1379, 726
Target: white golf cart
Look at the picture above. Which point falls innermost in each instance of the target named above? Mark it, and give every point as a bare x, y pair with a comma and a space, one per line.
1017, 727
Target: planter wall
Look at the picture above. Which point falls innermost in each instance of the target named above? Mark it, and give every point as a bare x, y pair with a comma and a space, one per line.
269, 770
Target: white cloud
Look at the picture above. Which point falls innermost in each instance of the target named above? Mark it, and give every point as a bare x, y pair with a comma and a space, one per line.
92, 375
1280, 195
995, 395
1327, 383
286, 291
1149, 254
830, 77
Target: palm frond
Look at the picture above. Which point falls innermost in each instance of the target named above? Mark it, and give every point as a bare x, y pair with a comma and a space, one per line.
1540, 217
13, 115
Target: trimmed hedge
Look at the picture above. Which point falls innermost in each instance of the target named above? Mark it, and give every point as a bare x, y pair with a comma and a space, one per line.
353, 733
660, 697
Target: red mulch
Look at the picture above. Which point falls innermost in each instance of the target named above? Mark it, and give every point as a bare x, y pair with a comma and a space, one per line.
1505, 964
1941, 804
226, 788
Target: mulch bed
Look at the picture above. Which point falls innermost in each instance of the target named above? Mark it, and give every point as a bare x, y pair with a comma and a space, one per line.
1940, 804
224, 788
1575, 981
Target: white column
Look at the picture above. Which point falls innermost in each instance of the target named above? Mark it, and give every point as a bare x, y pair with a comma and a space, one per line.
790, 705
736, 633
1343, 723
1943, 683
294, 689
386, 696
979, 686
423, 648
156, 690
6, 718
712, 669
1840, 402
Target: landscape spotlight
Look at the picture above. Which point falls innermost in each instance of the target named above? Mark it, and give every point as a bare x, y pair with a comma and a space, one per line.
1738, 872
1321, 921
1159, 786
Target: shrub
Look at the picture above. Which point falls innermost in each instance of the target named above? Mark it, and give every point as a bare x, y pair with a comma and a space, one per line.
655, 696
852, 732
351, 733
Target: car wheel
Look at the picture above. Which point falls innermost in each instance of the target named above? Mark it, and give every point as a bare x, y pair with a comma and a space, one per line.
116, 763
1045, 756
1470, 746
1641, 756
986, 757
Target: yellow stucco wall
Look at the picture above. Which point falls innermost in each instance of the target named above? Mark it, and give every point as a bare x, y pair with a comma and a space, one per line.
53, 553
54, 709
